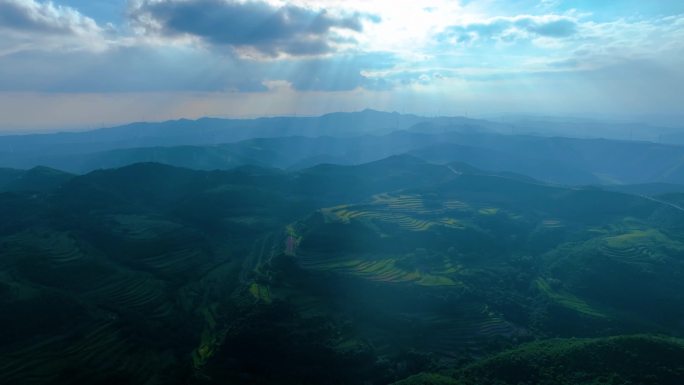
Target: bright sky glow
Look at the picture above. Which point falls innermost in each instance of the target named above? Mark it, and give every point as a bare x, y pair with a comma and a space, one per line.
86, 63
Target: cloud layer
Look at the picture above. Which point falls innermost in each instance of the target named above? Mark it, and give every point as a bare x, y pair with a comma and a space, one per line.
29, 16
428, 52
250, 27
27, 25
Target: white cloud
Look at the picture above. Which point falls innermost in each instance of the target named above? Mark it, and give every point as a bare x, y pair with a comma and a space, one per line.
512, 53
33, 25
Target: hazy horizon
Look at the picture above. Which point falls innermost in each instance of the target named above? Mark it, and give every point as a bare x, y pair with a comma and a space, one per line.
662, 121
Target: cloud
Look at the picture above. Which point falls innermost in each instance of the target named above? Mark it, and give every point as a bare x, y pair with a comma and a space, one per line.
253, 28
164, 69
331, 47
32, 25
513, 28
140, 68
34, 17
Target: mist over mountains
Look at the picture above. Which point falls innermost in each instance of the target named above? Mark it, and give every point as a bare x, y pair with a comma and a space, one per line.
548, 150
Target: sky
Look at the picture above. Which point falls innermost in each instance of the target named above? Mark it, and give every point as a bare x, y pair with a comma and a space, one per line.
87, 64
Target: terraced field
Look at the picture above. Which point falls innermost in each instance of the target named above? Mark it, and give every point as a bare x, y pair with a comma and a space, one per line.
72, 265
401, 203
174, 262
456, 205
412, 212
417, 204
461, 334
568, 300
101, 350
488, 211
403, 221
139, 227
95, 336
264, 282
54, 247
448, 337
461, 329
380, 270
135, 293
402, 216
640, 247
552, 224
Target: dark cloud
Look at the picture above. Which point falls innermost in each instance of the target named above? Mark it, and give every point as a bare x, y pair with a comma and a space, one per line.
512, 28
252, 25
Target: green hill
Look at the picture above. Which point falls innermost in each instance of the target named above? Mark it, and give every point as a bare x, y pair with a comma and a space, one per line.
639, 359
617, 360
36, 179
153, 274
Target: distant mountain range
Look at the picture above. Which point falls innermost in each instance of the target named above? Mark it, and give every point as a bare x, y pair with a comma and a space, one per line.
219, 131
355, 138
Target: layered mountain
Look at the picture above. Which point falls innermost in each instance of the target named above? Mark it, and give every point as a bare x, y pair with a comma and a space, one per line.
356, 138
